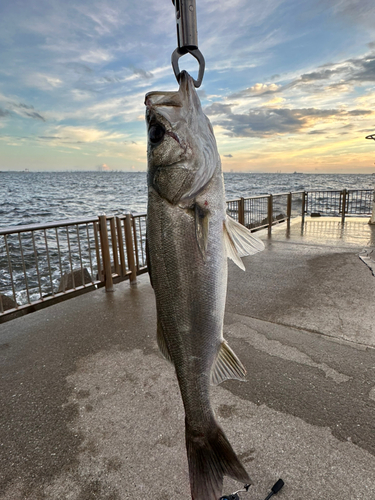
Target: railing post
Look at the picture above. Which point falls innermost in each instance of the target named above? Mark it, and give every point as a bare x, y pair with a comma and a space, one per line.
130, 249
289, 209
114, 245
104, 243
344, 202
121, 247
270, 213
241, 211
304, 210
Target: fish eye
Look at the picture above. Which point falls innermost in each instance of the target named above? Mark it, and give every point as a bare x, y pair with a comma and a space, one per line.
156, 133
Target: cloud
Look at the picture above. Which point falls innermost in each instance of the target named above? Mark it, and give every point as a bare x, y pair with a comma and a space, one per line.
359, 112
142, 73
79, 68
317, 75
341, 77
257, 89
27, 111
20, 109
82, 135
355, 11
3, 112
261, 122
43, 81
35, 115
218, 108
228, 156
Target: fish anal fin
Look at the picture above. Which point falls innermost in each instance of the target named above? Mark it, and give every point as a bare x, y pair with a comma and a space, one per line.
201, 228
227, 366
162, 343
239, 241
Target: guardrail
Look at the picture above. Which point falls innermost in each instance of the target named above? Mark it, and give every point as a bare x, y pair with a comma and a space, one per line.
45, 263
264, 211
351, 202
42, 264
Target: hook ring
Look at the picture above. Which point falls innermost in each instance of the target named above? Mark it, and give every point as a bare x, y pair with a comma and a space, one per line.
198, 56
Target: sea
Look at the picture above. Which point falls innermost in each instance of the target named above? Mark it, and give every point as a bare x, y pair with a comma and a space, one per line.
40, 197
26, 198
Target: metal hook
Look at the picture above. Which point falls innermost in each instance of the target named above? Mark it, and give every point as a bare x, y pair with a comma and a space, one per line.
198, 56
187, 37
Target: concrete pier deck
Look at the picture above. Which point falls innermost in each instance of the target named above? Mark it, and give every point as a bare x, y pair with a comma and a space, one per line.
90, 410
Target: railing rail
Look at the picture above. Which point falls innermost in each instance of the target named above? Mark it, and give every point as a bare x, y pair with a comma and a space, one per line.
44, 263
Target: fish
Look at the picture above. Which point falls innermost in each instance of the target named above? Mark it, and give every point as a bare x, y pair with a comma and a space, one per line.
189, 238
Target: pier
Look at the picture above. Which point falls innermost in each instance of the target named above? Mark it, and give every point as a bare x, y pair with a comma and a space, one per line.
90, 410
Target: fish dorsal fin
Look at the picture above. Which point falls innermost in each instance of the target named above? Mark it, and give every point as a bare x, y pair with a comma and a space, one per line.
239, 241
227, 366
162, 343
201, 228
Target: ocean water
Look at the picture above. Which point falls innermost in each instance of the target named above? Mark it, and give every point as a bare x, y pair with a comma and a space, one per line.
39, 197
35, 266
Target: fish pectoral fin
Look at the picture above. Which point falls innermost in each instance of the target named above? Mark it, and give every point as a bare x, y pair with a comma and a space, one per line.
239, 241
227, 366
201, 228
160, 337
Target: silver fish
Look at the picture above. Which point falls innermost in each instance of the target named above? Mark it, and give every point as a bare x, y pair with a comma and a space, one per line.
189, 237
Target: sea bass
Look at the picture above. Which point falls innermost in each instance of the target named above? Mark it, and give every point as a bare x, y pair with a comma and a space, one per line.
189, 237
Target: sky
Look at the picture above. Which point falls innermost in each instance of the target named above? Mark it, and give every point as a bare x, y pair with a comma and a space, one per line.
289, 84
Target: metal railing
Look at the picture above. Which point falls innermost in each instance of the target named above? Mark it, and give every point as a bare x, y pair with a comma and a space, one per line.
352, 202
264, 211
45, 263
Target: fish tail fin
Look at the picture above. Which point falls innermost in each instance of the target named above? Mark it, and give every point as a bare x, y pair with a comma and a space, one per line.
210, 458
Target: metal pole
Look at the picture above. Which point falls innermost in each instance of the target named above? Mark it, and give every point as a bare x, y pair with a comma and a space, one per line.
105, 253
130, 249
241, 211
344, 200
121, 247
270, 213
304, 198
114, 245
289, 209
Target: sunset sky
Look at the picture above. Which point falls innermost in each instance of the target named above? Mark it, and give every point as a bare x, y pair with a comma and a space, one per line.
289, 84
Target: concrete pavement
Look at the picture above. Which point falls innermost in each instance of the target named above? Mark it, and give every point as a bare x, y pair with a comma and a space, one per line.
91, 411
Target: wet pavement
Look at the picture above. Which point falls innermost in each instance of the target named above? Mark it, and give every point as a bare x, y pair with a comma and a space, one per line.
90, 410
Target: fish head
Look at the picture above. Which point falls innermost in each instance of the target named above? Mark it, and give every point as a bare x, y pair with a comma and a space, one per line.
182, 153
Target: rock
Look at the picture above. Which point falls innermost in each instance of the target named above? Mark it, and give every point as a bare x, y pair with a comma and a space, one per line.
8, 303
66, 282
